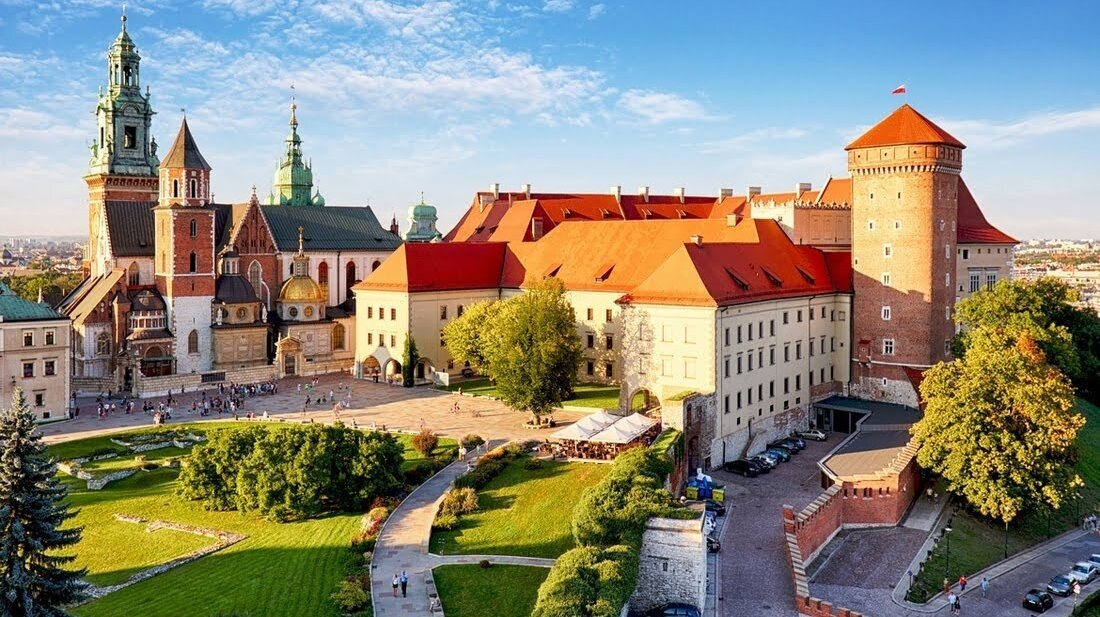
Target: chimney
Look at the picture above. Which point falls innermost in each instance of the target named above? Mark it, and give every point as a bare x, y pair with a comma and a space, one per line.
643, 192
526, 188
697, 240
617, 192
724, 193
679, 192
802, 187
752, 191
494, 188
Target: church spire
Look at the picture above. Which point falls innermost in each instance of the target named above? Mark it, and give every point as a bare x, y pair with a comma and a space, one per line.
293, 185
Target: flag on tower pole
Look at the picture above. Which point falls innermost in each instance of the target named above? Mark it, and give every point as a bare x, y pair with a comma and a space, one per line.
899, 90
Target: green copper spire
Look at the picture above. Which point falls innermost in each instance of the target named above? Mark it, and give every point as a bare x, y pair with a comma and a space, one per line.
124, 116
293, 184
422, 219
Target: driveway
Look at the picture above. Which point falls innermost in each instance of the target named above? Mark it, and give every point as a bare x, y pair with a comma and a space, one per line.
753, 575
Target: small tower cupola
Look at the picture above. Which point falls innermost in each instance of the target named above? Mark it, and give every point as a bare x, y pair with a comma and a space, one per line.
184, 173
301, 298
422, 220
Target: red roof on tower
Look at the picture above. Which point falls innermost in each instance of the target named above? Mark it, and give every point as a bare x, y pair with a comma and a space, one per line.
905, 126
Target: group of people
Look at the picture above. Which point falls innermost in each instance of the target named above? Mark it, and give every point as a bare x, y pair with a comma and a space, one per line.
401, 580
953, 599
338, 403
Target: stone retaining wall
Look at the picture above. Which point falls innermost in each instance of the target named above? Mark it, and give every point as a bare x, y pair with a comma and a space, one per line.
672, 564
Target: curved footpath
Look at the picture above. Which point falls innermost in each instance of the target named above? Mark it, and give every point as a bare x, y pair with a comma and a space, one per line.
403, 546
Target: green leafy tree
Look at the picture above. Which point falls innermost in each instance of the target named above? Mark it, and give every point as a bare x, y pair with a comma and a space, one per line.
410, 357
33, 579
533, 349
999, 424
463, 334
51, 284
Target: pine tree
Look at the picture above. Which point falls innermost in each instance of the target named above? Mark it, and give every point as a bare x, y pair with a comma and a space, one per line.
33, 579
409, 359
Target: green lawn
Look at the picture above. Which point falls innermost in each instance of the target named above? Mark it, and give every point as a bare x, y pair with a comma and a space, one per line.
522, 512
594, 395
281, 570
501, 591
977, 542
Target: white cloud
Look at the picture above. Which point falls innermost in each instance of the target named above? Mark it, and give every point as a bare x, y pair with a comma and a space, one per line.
558, 6
430, 18
658, 107
20, 123
746, 140
1000, 134
243, 7
596, 10
188, 41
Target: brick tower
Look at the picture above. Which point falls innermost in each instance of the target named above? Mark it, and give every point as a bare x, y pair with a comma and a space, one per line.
905, 177
123, 162
184, 251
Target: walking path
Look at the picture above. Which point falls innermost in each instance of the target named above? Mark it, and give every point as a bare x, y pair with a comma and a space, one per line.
403, 547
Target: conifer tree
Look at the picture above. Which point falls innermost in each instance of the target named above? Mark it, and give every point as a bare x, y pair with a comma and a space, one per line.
33, 579
409, 359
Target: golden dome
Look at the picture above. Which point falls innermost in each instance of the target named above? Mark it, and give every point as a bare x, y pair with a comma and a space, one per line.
300, 289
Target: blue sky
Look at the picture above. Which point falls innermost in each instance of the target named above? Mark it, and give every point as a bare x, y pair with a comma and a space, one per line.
446, 97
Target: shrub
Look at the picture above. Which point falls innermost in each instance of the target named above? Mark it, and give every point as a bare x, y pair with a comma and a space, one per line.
445, 521
418, 473
363, 542
472, 441
484, 564
372, 521
458, 501
425, 441
350, 596
532, 464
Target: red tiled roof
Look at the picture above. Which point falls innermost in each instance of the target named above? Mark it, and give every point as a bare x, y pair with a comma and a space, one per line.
836, 191
439, 266
905, 126
973, 228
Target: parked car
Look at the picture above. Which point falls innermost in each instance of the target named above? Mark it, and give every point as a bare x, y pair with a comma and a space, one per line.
766, 463
786, 444
1061, 585
814, 434
1084, 572
676, 609
796, 441
713, 545
782, 454
1038, 600
743, 467
713, 506
1095, 559
467, 372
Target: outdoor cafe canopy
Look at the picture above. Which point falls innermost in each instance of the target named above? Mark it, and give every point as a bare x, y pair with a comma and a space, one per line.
586, 427
606, 428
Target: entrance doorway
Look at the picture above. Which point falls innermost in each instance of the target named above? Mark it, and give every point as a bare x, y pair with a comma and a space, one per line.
289, 366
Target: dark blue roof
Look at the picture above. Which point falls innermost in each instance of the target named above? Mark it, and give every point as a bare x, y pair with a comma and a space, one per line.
328, 228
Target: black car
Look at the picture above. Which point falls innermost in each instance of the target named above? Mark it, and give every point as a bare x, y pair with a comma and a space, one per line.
790, 444
782, 445
713, 506
713, 545
742, 467
1060, 585
676, 609
1038, 600
765, 464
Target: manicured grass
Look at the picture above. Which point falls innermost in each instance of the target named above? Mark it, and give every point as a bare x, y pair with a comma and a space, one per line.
977, 542
522, 512
594, 395
282, 570
501, 591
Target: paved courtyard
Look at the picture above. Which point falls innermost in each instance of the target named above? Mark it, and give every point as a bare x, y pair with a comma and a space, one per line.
753, 575
392, 407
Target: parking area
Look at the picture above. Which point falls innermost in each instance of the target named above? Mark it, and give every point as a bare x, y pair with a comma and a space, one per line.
753, 578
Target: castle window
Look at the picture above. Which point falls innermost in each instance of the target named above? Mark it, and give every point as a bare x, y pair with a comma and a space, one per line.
947, 279
194, 189
990, 280
443, 311
322, 273
885, 278
897, 224
349, 278
887, 346
28, 339
975, 281
129, 137
193, 262
374, 266
947, 251
255, 277
309, 311
337, 337
887, 250
175, 188
194, 227
871, 225
886, 313
193, 342
50, 337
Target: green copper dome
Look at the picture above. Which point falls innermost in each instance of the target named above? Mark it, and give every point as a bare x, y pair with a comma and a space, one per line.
293, 185
422, 219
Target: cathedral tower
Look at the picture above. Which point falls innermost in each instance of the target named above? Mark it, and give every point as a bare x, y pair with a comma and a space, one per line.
293, 184
123, 162
905, 177
184, 260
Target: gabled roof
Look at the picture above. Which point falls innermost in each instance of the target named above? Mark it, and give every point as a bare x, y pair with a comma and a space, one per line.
15, 308
130, 227
328, 229
836, 191
973, 228
184, 152
905, 126
438, 266
92, 292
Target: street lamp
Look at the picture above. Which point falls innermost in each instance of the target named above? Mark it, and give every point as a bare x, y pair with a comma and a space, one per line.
947, 567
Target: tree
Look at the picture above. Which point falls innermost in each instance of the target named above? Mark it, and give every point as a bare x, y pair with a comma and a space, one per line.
409, 359
1068, 335
464, 334
33, 578
999, 425
532, 348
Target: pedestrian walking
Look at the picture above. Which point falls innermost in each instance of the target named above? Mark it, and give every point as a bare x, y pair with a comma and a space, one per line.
395, 583
956, 608
404, 584
962, 584
985, 586
951, 600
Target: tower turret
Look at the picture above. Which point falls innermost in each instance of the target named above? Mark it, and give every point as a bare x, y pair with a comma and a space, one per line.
422, 220
293, 185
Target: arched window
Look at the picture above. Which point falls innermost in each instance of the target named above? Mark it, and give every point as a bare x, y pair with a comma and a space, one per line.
337, 337
349, 278
374, 266
322, 273
194, 188
194, 227
193, 264
255, 276
175, 188
102, 344
193, 342
134, 274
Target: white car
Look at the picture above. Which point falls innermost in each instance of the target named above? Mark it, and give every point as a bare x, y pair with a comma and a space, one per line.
1095, 559
1083, 572
814, 434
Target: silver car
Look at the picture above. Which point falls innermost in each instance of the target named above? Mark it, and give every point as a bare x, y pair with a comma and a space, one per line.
1095, 559
1083, 572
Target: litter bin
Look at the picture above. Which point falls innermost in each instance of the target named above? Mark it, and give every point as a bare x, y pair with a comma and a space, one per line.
719, 494
692, 492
